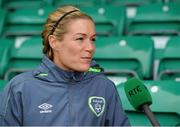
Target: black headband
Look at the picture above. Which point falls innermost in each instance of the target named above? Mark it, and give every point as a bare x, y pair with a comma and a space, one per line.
55, 25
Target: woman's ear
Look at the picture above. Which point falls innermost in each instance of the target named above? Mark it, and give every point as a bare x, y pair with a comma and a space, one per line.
52, 42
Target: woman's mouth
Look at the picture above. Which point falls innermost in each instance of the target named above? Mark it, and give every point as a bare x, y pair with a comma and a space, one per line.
86, 59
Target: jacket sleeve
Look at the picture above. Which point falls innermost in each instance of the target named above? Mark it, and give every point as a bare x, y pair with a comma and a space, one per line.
10, 109
115, 113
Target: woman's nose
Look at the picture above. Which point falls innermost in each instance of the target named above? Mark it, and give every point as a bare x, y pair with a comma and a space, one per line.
90, 46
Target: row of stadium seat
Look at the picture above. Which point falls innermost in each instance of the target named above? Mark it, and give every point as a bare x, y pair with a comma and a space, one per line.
124, 57
128, 56
30, 21
155, 19
20, 57
163, 19
19, 4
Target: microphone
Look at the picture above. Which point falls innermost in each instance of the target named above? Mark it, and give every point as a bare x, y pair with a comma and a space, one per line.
140, 98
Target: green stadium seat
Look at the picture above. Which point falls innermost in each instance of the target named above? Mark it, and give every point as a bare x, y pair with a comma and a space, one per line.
125, 56
175, 1
2, 84
5, 54
20, 4
168, 1
1, 1
155, 19
3, 15
169, 68
26, 57
131, 2
109, 20
165, 106
26, 22
79, 3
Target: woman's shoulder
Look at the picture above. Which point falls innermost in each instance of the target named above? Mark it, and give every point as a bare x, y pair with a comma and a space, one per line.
104, 81
21, 79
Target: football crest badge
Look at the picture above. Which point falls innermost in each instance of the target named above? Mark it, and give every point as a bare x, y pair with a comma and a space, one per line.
97, 105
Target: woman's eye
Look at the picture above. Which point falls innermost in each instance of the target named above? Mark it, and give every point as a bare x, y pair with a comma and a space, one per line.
94, 39
80, 38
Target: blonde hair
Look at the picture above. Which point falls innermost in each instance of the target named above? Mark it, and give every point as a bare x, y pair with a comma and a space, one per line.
61, 28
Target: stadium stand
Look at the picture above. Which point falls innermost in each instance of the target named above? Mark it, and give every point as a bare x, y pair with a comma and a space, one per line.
2, 3
168, 68
131, 2
163, 19
167, 1
20, 4
79, 3
109, 20
26, 57
128, 55
2, 19
165, 96
23, 22
5, 54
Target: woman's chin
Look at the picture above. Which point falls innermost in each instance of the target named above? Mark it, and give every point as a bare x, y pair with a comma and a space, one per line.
83, 68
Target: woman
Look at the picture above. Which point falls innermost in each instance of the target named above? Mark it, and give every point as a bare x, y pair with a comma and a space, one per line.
67, 88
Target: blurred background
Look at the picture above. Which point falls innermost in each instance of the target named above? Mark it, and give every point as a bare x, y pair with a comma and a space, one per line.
135, 38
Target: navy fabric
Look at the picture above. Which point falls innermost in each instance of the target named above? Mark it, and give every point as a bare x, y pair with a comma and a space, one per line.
50, 96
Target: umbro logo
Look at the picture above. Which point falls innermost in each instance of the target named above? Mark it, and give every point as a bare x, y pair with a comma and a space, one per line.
45, 108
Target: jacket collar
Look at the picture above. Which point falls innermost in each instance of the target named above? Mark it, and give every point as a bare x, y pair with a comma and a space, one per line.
50, 72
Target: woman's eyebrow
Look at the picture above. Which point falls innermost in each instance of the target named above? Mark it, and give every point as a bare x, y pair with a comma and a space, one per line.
81, 34
93, 35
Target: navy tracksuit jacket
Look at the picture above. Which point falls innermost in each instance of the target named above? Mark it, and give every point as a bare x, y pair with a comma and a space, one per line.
49, 96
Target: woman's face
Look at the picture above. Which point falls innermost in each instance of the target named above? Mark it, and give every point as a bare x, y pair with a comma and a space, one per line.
76, 50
